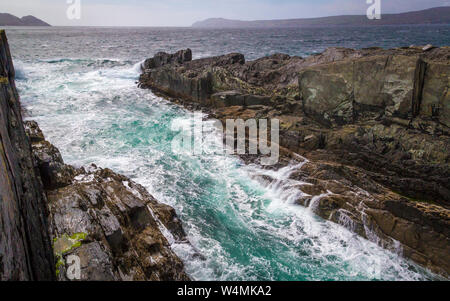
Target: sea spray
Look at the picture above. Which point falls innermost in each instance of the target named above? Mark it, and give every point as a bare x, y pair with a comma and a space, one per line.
19, 68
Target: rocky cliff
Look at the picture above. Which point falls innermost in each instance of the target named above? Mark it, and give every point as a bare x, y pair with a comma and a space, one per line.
25, 248
373, 125
50, 211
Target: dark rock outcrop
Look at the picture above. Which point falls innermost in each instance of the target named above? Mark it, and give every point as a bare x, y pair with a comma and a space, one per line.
372, 123
25, 247
405, 84
160, 59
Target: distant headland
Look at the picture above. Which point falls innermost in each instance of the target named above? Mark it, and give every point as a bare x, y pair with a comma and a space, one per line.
11, 20
437, 15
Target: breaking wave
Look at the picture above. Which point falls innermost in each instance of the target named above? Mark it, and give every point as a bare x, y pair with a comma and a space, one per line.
19, 69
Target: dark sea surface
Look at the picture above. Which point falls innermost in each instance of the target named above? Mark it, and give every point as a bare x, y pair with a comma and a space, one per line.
80, 85
139, 43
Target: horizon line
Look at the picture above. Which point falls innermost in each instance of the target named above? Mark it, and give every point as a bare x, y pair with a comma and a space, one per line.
238, 20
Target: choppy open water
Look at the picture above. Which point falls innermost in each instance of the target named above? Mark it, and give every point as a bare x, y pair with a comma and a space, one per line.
80, 85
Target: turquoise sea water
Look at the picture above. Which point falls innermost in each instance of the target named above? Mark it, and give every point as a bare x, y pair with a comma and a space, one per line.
80, 85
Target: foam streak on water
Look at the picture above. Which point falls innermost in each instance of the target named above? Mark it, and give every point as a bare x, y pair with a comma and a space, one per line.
245, 228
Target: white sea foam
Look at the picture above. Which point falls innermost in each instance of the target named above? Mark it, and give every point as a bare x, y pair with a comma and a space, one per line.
137, 68
245, 226
19, 68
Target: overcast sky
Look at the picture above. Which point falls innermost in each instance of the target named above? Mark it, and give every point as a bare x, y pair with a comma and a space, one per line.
186, 12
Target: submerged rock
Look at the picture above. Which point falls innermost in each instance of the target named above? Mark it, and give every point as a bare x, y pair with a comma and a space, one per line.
372, 122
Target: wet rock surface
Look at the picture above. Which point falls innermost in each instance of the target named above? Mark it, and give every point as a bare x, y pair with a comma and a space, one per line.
371, 123
341, 193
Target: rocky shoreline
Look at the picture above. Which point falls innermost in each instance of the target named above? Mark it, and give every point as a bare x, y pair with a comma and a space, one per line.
368, 129
50, 211
373, 125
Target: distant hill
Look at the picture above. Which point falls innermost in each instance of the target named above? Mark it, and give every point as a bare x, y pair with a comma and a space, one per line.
437, 15
11, 20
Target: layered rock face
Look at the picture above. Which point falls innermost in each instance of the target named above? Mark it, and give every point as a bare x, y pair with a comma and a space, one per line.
372, 124
51, 212
25, 247
388, 113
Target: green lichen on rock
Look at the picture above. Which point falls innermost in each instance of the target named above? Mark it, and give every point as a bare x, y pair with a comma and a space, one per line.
4, 80
65, 244
59, 263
